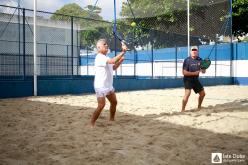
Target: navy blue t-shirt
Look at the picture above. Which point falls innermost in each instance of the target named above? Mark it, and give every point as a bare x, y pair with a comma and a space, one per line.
192, 65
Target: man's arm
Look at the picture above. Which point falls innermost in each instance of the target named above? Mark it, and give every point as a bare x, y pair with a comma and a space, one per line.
117, 64
117, 58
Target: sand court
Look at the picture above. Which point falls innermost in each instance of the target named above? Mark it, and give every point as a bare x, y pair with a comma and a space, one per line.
149, 128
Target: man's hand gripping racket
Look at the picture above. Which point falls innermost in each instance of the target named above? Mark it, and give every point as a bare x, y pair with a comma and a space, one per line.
205, 65
123, 42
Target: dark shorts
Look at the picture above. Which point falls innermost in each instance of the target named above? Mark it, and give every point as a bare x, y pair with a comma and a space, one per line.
192, 83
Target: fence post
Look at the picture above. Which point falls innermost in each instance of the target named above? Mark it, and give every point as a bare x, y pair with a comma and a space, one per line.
46, 61
215, 58
176, 59
231, 64
87, 52
67, 59
78, 53
19, 38
24, 44
71, 45
135, 61
235, 57
152, 59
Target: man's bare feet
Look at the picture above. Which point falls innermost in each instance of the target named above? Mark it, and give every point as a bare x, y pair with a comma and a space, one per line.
92, 124
111, 119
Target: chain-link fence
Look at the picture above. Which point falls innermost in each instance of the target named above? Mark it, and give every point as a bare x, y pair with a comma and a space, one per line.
57, 45
157, 33
160, 37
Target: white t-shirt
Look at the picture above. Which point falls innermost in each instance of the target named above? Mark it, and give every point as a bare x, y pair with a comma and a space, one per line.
103, 72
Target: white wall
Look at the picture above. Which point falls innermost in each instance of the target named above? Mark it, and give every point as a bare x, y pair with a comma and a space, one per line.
240, 68
222, 68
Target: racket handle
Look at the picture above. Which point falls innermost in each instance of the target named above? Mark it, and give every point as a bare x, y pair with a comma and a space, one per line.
124, 43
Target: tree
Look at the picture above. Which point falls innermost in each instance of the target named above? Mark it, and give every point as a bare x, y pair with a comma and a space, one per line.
88, 18
161, 22
94, 12
88, 37
240, 17
69, 10
167, 20
158, 15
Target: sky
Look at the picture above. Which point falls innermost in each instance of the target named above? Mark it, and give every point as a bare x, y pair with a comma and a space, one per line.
53, 5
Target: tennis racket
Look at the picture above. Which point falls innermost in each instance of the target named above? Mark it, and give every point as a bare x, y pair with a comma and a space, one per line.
205, 63
126, 41
119, 37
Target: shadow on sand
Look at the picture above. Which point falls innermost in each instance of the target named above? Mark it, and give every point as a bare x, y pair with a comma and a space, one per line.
45, 133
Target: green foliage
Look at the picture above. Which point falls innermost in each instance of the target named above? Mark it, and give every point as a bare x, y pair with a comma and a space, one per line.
93, 12
245, 39
89, 37
158, 20
240, 17
67, 11
88, 18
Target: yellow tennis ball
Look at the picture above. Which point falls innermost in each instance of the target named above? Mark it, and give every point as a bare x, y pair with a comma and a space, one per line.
133, 24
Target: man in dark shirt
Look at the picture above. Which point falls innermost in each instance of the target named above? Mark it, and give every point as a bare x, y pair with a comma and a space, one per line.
191, 71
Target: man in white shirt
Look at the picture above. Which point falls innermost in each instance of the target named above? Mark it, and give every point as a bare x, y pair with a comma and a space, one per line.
103, 82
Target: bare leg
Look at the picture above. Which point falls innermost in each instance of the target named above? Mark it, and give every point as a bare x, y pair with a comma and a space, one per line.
185, 98
113, 103
201, 97
100, 106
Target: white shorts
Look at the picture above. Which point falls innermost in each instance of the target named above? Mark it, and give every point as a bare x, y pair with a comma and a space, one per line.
103, 92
